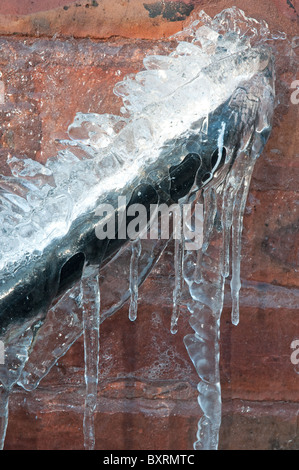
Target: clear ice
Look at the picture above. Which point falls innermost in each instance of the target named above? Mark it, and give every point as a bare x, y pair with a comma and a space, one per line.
178, 283
174, 93
134, 275
91, 301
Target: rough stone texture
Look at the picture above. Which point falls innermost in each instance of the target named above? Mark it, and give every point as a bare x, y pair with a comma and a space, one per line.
126, 18
147, 393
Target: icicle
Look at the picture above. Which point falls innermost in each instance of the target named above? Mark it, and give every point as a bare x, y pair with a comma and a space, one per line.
229, 197
209, 212
16, 356
91, 328
4, 398
178, 266
61, 328
205, 308
237, 226
227, 218
134, 271
63, 325
178, 260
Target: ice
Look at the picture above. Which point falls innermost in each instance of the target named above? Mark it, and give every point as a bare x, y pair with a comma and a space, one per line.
226, 206
234, 20
27, 168
63, 326
134, 277
237, 227
216, 60
16, 354
4, 398
90, 292
179, 247
95, 130
168, 91
223, 208
64, 322
205, 306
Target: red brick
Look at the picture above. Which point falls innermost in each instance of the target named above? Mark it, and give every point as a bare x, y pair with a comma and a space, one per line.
147, 384
128, 19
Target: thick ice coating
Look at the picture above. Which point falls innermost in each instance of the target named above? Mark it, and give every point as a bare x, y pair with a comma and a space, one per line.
214, 90
165, 101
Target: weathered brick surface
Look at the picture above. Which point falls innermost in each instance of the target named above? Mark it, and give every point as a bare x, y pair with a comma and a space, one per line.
134, 18
147, 385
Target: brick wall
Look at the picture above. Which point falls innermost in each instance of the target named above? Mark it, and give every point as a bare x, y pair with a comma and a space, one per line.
58, 58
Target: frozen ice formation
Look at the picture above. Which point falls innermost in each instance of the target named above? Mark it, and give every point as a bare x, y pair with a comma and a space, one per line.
207, 105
